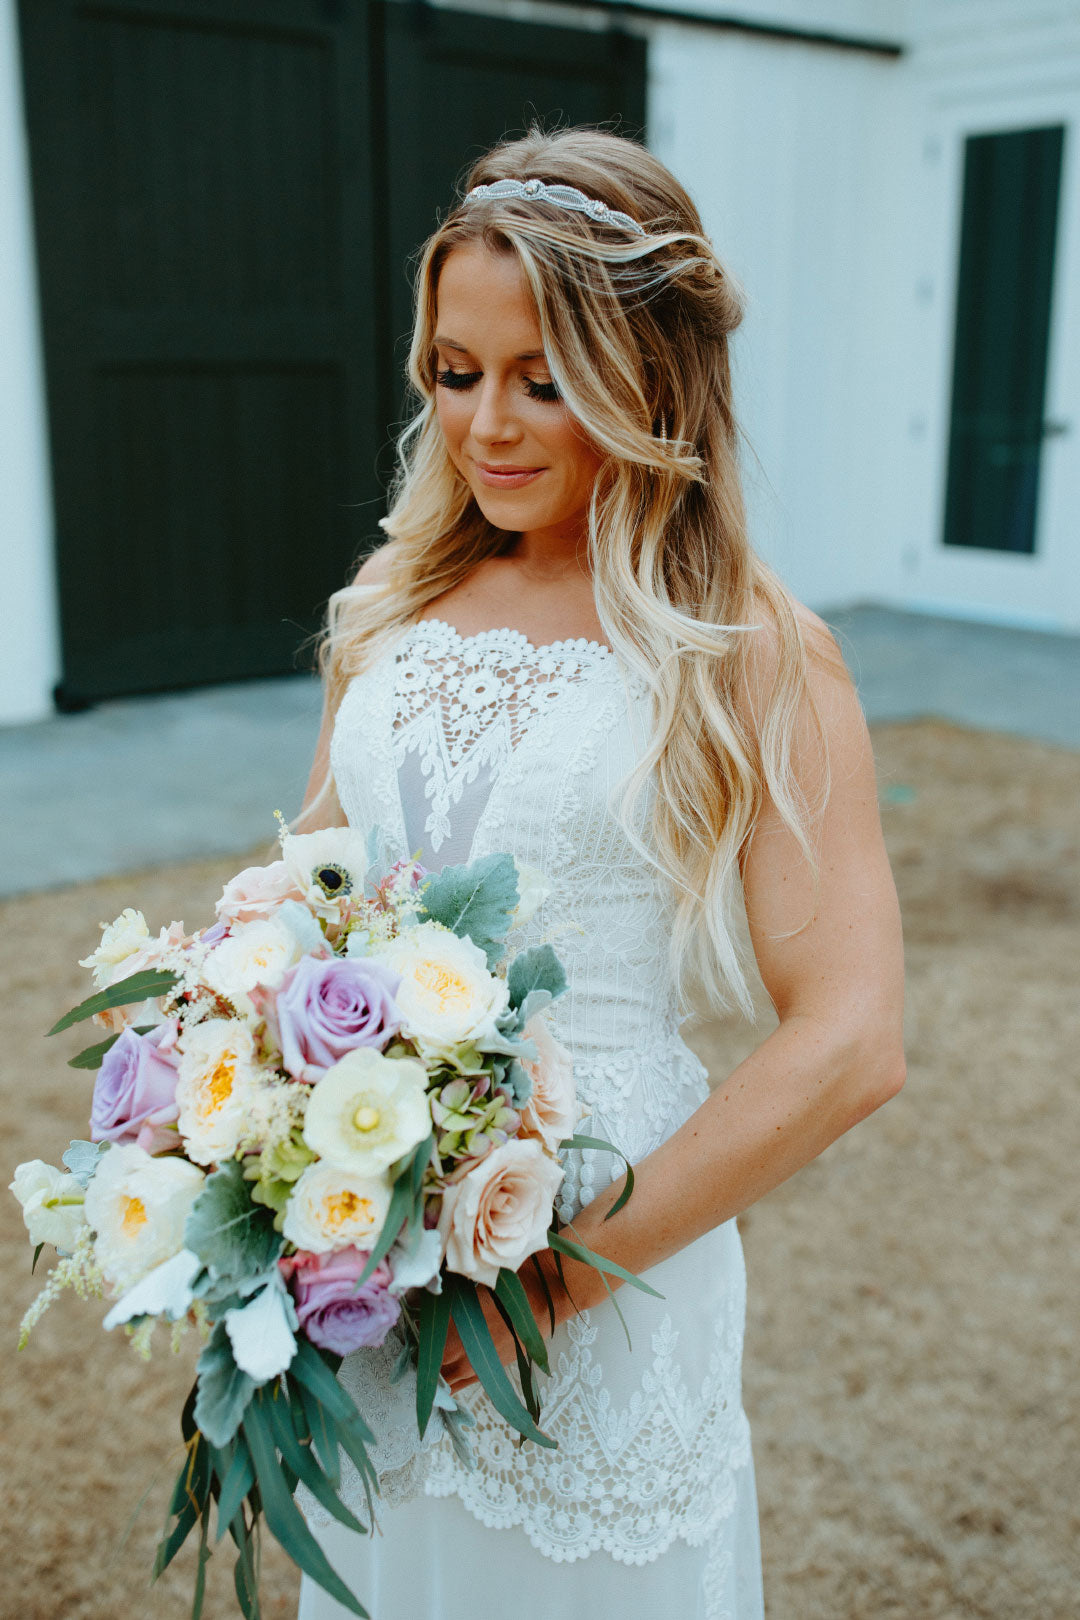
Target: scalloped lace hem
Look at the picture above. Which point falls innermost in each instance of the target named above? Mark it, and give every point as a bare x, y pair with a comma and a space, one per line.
516, 1517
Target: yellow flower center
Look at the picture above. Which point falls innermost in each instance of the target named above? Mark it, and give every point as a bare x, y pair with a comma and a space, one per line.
264, 957
219, 1083
340, 1207
134, 1217
366, 1118
441, 983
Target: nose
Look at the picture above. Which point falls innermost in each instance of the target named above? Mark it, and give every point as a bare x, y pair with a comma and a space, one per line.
494, 421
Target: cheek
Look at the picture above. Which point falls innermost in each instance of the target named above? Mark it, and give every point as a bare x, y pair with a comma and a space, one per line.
454, 413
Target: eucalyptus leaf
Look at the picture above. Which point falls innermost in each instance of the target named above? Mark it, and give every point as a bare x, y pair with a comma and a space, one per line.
476, 901
82, 1159
479, 1346
147, 985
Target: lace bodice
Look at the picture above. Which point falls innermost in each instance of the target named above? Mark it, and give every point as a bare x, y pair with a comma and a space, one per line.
458, 746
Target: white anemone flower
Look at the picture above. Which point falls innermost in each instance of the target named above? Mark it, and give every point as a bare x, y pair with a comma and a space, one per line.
331, 1208
327, 867
367, 1111
447, 996
52, 1203
137, 1206
215, 1089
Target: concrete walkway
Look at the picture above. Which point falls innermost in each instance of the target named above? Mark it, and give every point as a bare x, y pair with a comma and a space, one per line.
150, 780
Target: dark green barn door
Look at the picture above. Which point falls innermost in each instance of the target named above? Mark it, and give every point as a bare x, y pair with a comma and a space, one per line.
227, 193
201, 177
457, 83
1004, 286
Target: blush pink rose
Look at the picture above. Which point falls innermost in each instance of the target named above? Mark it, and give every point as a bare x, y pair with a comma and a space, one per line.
500, 1212
551, 1112
256, 893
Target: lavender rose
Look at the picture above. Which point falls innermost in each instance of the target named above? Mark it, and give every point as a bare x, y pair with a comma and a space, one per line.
330, 1308
326, 1008
135, 1091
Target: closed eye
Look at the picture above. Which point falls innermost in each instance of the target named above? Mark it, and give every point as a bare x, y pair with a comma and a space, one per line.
457, 379
464, 380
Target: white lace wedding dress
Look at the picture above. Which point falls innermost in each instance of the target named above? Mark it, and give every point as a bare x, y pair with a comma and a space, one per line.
456, 746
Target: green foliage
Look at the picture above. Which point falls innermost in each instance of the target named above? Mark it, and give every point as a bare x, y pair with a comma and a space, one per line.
477, 900
479, 1346
234, 1238
224, 1391
138, 987
82, 1159
597, 1142
433, 1325
534, 978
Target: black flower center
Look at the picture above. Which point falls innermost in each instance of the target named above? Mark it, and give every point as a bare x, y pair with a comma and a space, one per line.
332, 880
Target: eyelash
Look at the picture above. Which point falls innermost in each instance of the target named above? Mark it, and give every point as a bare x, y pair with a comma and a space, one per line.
464, 380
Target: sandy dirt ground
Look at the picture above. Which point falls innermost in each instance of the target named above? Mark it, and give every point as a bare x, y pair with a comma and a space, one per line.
910, 1366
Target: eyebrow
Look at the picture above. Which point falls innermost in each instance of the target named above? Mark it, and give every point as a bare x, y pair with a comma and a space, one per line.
459, 348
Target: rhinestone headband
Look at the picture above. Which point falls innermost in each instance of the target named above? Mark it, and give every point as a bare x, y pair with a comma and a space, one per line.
562, 196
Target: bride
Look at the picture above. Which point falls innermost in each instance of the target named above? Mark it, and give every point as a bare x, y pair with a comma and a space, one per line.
569, 650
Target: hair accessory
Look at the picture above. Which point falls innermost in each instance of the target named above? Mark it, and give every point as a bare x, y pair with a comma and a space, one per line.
562, 196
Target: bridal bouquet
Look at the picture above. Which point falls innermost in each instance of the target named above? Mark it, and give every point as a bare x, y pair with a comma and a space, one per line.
334, 1115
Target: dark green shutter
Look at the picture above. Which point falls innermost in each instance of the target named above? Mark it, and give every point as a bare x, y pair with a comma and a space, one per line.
1004, 285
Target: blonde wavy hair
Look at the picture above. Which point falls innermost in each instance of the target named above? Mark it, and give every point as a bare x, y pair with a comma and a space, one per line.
635, 332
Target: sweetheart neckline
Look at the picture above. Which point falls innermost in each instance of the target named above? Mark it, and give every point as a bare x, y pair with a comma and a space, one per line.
577, 644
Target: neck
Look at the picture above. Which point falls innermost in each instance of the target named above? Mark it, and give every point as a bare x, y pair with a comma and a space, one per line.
551, 554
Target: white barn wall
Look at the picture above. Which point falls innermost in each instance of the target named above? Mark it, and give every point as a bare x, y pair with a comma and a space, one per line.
29, 641
791, 152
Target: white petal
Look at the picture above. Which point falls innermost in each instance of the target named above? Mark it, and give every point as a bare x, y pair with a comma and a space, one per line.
165, 1291
261, 1334
415, 1269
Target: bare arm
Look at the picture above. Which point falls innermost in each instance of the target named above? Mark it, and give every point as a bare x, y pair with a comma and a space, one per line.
325, 811
837, 1053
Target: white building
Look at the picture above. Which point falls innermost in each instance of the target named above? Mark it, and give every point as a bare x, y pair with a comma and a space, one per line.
827, 143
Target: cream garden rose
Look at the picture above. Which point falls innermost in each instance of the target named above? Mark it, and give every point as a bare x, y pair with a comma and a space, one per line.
447, 997
137, 1206
367, 1111
331, 1208
217, 1084
121, 938
500, 1212
256, 953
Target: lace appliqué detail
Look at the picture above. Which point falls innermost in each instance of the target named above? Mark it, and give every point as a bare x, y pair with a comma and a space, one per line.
465, 702
627, 1478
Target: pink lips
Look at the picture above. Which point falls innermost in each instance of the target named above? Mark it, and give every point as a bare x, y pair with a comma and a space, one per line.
498, 475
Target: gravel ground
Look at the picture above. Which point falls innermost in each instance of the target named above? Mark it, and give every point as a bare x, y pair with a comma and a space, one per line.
909, 1354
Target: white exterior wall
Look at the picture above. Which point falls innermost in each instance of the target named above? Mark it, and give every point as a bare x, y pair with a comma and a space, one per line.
29, 643
791, 152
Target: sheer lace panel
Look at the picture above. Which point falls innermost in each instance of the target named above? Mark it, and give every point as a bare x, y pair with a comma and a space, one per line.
463, 705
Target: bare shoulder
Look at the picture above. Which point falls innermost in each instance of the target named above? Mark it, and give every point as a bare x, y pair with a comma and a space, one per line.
377, 566
826, 673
